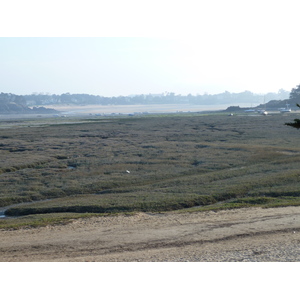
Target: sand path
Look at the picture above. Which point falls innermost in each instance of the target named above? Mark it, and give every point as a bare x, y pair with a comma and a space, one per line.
250, 234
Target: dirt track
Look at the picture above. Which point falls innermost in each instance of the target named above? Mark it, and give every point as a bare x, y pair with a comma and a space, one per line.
254, 234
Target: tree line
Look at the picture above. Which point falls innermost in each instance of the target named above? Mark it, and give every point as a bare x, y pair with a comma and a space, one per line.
163, 98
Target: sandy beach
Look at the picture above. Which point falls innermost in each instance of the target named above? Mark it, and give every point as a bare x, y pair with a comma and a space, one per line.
249, 234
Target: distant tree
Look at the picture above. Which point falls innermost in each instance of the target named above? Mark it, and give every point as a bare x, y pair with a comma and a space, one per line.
282, 94
295, 94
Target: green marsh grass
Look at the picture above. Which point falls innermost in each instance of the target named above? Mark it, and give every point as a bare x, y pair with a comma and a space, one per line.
175, 162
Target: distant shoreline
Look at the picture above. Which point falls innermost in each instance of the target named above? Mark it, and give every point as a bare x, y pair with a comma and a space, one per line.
131, 109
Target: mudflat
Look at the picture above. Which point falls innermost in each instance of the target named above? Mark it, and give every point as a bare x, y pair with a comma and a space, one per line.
247, 234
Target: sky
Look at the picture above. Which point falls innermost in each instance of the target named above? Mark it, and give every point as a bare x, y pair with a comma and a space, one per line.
113, 48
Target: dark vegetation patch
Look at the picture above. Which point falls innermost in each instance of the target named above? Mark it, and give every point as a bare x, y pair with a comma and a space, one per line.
149, 164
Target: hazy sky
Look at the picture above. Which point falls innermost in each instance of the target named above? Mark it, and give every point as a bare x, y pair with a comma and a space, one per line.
141, 47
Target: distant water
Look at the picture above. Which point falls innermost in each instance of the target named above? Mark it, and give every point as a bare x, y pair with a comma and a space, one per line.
2, 212
3, 209
131, 109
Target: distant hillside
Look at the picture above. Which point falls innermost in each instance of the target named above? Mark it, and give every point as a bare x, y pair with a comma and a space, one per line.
14, 104
271, 105
276, 104
292, 101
